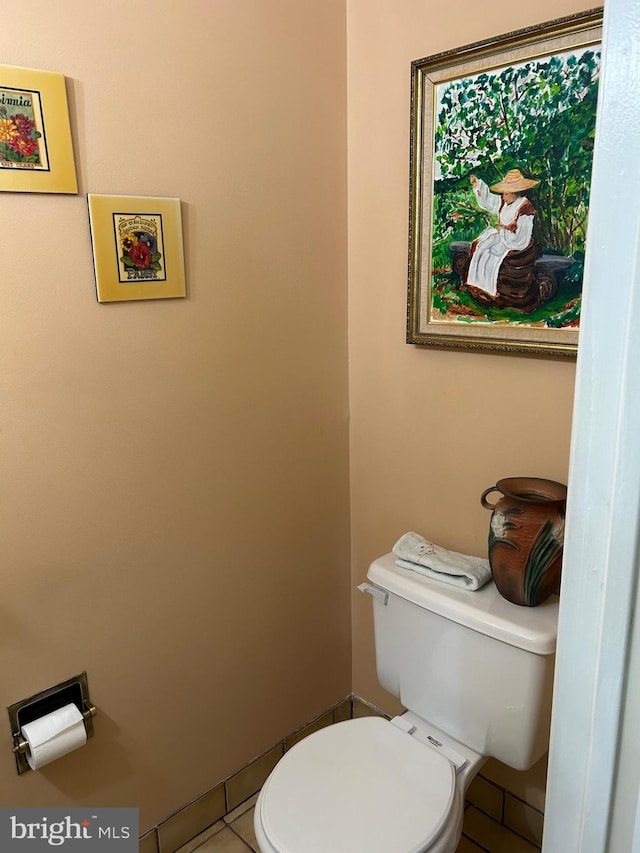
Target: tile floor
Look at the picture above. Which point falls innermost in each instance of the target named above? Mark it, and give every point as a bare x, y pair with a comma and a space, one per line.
234, 834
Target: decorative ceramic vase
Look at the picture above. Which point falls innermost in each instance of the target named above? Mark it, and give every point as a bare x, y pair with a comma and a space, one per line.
526, 537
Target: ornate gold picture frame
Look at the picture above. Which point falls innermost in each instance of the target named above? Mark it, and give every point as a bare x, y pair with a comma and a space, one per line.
502, 135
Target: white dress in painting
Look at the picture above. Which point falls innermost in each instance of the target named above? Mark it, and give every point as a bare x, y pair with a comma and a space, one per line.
491, 247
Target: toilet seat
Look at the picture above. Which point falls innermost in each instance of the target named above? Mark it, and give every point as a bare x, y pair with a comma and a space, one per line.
361, 786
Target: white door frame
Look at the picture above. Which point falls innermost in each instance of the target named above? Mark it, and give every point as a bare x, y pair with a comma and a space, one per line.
600, 571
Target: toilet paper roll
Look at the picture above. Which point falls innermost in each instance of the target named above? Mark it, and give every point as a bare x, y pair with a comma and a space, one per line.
54, 735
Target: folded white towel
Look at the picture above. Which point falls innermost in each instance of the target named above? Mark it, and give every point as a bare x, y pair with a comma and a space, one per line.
419, 555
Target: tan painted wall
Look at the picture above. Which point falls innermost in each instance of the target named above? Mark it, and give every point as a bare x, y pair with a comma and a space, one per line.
430, 428
174, 497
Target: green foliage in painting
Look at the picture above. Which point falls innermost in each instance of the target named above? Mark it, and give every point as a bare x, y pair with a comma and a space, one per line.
538, 117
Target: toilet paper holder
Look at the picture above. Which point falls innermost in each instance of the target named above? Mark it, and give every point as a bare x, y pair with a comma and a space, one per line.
25, 711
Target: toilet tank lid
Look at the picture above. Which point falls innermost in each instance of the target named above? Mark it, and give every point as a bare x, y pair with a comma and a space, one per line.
533, 629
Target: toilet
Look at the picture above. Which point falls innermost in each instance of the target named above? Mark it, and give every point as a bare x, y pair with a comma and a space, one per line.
475, 673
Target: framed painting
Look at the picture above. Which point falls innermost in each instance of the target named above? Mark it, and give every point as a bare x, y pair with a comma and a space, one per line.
36, 151
137, 247
502, 136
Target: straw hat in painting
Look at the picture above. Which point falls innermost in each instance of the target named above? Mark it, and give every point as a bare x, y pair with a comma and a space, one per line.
514, 182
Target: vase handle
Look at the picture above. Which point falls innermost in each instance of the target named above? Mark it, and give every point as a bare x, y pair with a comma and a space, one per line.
483, 497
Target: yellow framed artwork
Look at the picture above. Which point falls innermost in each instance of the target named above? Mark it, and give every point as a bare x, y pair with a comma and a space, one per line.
137, 247
36, 151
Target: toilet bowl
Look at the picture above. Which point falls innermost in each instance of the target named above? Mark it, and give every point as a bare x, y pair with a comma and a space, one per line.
476, 675
367, 785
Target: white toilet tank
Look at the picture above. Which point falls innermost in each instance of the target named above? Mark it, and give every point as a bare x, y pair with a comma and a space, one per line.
471, 663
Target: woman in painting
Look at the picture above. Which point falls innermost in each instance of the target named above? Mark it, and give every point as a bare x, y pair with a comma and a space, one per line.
500, 265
